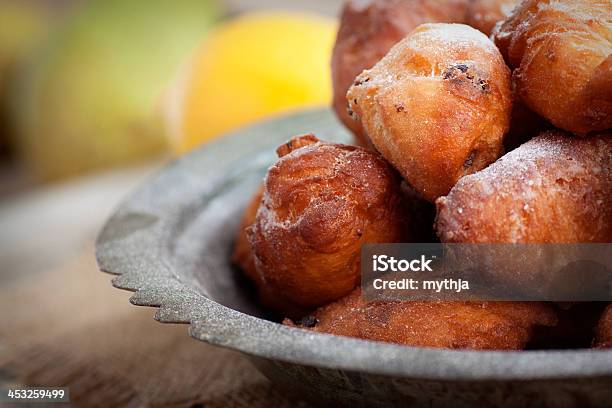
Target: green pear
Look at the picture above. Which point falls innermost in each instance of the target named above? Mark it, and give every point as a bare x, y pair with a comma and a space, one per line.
22, 25
88, 98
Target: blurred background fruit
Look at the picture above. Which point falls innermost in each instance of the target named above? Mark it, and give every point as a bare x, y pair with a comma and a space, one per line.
250, 67
86, 99
22, 26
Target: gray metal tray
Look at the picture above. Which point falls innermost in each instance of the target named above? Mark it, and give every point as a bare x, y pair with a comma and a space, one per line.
170, 242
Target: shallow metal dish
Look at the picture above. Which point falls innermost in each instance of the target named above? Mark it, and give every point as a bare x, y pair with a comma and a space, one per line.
170, 242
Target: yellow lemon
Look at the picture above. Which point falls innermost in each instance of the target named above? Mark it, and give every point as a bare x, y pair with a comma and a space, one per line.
250, 67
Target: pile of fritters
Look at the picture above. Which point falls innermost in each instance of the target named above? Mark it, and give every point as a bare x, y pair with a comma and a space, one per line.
475, 122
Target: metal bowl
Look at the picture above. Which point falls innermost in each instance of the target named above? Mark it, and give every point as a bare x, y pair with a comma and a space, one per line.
170, 242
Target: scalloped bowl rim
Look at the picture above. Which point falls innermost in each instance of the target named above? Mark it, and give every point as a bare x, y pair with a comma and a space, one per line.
219, 325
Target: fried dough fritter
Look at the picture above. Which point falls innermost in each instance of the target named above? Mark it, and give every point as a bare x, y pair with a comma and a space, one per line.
243, 258
552, 189
457, 325
603, 332
436, 106
368, 30
321, 202
561, 56
483, 15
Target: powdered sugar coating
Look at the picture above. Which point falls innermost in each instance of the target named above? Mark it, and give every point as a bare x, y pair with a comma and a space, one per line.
436, 106
368, 30
561, 55
554, 188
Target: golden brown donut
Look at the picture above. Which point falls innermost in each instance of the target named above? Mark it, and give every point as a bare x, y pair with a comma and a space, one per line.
603, 332
321, 202
554, 188
419, 213
368, 29
243, 258
560, 53
484, 14
457, 325
436, 106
